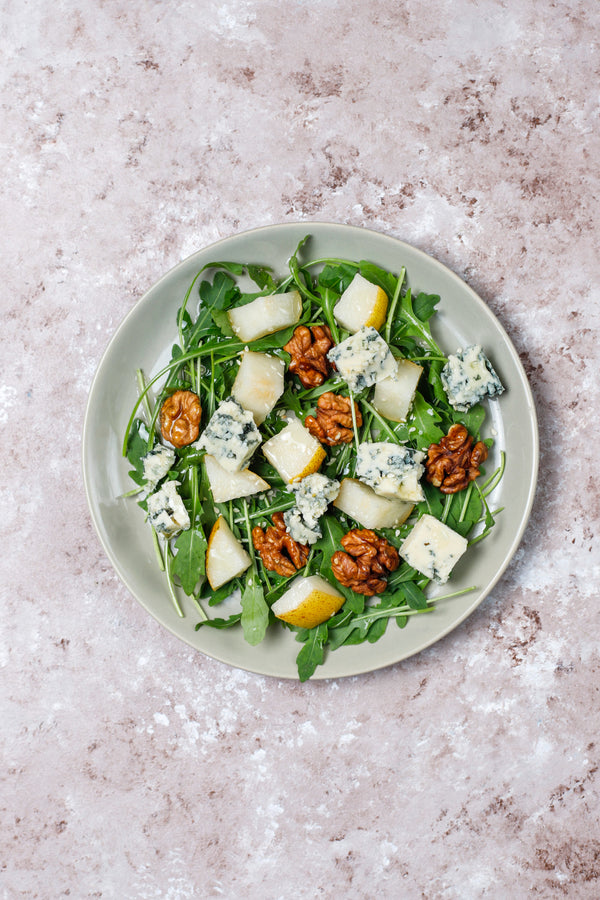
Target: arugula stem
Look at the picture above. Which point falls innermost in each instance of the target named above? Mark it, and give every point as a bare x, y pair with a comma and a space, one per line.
170, 581
468, 493
184, 306
393, 304
308, 562
373, 615
330, 261
488, 486
200, 608
263, 513
132, 493
481, 536
447, 504
354, 425
381, 421
453, 594
249, 532
157, 550
142, 390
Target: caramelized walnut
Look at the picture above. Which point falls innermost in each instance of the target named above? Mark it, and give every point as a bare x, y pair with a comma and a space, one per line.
308, 348
454, 462
277, 549
180, 417
333, 424
367, 562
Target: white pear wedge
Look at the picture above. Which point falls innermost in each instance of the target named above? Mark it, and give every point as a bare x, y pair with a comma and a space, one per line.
225, 556
259, 383
362, 303
227, 485
394, 395
361, 502
294, 452
265, 315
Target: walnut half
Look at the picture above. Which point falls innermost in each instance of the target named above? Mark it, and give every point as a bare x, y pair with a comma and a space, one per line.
367, 561
278, 550
333, 424
180, 417
454, 462
308, 348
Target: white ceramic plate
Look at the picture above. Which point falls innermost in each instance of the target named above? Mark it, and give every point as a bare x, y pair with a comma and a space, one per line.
144, 339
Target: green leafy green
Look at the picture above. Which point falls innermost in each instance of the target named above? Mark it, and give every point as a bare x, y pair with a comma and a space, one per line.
255, 612
312, 653
189, 562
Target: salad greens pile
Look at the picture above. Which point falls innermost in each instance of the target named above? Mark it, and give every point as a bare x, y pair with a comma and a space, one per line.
205, 360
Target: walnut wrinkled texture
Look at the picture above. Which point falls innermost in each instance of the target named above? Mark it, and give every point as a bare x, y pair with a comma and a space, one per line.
278, 550
180, 417
333, 424
367, 561
454, 462
308, 348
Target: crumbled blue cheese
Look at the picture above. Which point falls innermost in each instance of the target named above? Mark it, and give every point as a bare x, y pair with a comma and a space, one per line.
230, 436
313, 495
166, 511
392, 470
157, 463
469, 377
363, 359
433, 548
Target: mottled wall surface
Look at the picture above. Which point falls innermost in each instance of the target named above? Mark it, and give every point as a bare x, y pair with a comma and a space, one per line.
133, 133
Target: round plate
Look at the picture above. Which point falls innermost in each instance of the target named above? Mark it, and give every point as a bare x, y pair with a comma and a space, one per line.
144, 339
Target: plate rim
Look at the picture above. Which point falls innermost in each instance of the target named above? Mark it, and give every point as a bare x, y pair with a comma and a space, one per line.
309, 227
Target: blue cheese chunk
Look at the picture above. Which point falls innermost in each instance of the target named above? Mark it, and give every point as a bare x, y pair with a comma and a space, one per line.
166, 511
363, 359
433, 548
469, 377
230, 436
313, 495
157, 463
392, 470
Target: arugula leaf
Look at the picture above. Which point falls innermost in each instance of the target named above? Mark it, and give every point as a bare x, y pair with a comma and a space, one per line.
220, 623
336, 278
413, 595
220, 293
379, 276
424, 418
261, 275
189, 562
255, 612
221, 320
313, 652
137, 447
424, 305
409, 324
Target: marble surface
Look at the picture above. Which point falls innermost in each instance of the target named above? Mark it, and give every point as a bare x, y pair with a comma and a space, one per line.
133, 133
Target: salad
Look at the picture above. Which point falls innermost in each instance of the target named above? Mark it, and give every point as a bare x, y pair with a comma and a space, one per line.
310, 446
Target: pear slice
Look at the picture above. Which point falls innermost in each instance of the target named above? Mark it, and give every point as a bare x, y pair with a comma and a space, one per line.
259, 383
362, 304
394, 395
308, 602
227, 485
265, 315
294, 452
361, 502
225, 556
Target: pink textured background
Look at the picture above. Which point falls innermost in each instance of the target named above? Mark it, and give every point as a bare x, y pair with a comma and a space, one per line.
133, 133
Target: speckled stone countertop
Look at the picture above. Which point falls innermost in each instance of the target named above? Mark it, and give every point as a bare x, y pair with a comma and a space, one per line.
133, 133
